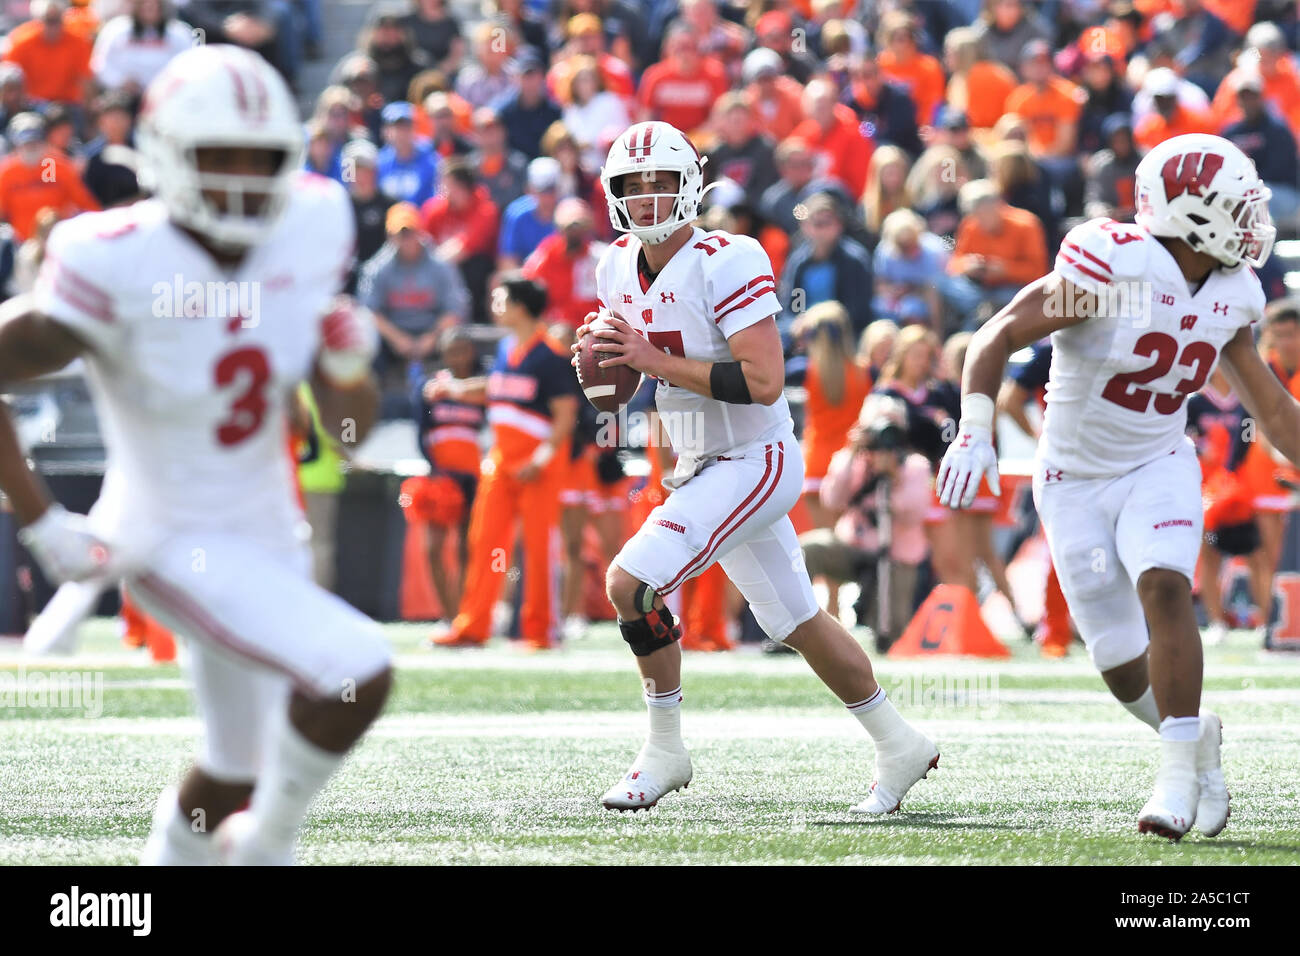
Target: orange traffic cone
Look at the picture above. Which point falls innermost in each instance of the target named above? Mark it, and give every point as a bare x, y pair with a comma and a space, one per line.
949, 622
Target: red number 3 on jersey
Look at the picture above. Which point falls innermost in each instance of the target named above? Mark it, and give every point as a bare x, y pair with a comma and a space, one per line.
249, 407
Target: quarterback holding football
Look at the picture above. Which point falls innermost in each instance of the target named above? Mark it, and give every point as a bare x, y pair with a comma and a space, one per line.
696, 310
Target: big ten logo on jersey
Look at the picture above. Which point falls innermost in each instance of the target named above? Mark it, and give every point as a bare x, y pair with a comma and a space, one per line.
240, 302
510, 387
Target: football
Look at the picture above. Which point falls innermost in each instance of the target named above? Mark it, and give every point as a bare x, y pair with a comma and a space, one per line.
610, 388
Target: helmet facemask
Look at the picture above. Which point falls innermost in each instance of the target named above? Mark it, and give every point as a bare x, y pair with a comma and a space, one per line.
685, 207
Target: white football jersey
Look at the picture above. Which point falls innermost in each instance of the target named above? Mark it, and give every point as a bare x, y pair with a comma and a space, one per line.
1116, 398
191, 365
715, 285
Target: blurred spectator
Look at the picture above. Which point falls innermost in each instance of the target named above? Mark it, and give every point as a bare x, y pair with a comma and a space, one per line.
1190, 96
680, 89
445, 137
720, 39
742, 154
999, 250
1050, 105
586, 38
491, 75
933, 184
840, 148
885, 106
13, 93
774, 31
33, 177
875, 345
463, 223
625, 25
414, 295
1105, 95
132, 49
909, 267
573, 180
530, 218
876, 462
1170, 117
262, 25
1268, 141
565, 264
978, 85
528, 26
1022, 183
528, 111
357, 74
30, 255
777, 98
1201, 41
370, 204
886, 188
1266, 55
423, 85
387, 40
1005, 26
1110, 185
826, 266
110, 158
953, 129
408, 168
593, 115
500, 169
437, 33
336, 122
902, 61
55, 60
61, 133
322, 158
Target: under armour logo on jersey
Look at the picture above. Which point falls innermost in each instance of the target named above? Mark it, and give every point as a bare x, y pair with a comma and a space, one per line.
1187, 322
666, 297
1220, 308
965, 441
1052, 474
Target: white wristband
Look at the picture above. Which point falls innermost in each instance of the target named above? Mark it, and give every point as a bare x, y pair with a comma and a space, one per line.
543, 455
976, 411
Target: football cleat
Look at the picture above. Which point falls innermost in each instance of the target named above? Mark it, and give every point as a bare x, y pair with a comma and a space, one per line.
1215, 634
237, 844
1171, 811
653, 774
1212, 810
897, 773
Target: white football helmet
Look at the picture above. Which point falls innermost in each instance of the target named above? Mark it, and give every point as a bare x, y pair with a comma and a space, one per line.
218, 95
654, 147
1204, 190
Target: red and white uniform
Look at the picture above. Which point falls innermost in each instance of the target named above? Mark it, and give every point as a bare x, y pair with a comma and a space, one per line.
191, 367
739, 469
1116, 481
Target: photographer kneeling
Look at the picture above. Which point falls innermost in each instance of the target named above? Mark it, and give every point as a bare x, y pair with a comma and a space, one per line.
883, 491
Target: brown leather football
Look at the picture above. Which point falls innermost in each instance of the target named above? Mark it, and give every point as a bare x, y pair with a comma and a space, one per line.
610, 388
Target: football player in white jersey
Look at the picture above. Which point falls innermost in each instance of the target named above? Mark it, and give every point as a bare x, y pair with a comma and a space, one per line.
1140, 316
197, 313
696, 310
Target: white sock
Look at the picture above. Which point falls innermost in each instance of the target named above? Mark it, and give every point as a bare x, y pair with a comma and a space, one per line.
1144, 709
1181, 729
665, 718
880, 719
296, 770
173, 841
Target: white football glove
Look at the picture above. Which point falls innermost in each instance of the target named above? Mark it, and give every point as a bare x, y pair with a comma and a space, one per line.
349, 342
971, 455
64, 545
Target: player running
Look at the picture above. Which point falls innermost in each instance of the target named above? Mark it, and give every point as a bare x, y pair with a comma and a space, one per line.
696, 310
1140, 316
198, 511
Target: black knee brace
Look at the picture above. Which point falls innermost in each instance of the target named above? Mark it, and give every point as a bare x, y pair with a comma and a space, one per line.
656, 629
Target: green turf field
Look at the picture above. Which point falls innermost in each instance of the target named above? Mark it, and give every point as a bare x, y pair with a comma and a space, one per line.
499, 757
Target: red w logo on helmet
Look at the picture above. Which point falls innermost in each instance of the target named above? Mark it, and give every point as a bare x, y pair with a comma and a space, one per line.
1189, 173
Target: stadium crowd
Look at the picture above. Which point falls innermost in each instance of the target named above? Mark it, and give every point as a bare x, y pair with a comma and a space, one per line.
907, 165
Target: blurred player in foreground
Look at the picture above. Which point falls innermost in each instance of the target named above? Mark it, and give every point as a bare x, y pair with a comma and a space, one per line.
1140, 316
697, 311
198, 512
